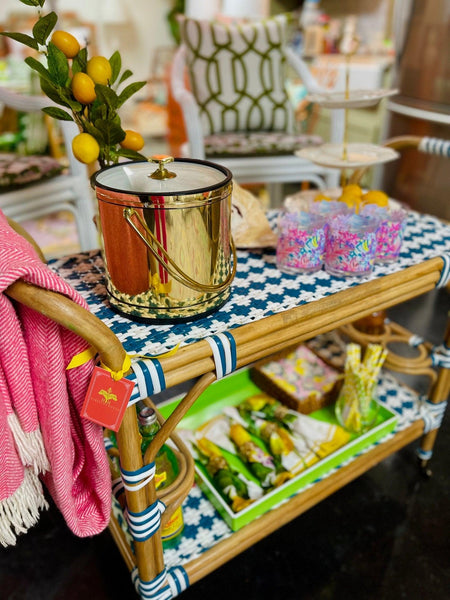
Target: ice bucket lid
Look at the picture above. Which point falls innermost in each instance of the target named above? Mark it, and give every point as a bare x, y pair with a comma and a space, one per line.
171, 177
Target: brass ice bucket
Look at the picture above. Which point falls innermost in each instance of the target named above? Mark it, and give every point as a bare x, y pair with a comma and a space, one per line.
166, 239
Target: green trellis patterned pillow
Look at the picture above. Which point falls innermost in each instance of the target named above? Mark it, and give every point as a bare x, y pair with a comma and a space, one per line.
237, 74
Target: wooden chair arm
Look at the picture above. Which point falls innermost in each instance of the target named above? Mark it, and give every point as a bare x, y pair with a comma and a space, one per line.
72, 316
402, 142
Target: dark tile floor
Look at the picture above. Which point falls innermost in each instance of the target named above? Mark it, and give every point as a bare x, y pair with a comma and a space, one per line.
384, 536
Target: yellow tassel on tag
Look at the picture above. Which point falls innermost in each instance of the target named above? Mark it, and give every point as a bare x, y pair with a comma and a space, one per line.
116, 375
82, 357
87, 355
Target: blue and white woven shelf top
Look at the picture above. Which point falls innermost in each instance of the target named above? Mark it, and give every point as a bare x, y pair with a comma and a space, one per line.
258, 290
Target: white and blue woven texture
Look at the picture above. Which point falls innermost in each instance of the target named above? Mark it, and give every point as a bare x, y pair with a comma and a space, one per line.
258, 290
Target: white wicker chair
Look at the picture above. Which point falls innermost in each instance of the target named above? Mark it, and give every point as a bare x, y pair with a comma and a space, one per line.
69, 191
272, 169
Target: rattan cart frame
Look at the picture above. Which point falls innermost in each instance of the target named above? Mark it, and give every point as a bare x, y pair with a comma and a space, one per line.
253, 341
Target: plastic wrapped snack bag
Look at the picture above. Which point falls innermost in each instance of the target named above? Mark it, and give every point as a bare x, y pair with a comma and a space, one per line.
312, 438
235, 439
237, 490
277, 438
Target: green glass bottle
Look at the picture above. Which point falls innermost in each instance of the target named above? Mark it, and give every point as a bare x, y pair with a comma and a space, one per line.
115, 467
167, 469
148, 426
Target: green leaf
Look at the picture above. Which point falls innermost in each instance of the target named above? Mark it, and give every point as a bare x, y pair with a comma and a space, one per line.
115, 119
99, 110
129, 91
39, 67
79, 63
94, 131
58, 65
132, 154
43, 27
57, 113
106, 96
33, 2
70, 100
111, 133
53, 92
22, 38
116, 64
127, 73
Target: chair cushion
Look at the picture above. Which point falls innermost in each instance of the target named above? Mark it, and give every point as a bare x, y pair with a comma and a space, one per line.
237, 74
17, 171
257, 143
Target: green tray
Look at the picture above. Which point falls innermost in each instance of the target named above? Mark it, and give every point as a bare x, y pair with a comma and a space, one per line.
232, 390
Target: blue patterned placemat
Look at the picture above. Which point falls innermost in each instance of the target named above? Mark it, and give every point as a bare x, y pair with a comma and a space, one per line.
258, 290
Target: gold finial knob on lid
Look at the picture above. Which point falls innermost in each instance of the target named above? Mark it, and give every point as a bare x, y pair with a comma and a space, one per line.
161, 172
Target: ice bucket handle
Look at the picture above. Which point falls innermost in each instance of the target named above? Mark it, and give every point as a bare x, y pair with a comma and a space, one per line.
171, 267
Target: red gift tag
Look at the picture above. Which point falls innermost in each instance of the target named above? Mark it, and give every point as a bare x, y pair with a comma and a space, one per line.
106, 399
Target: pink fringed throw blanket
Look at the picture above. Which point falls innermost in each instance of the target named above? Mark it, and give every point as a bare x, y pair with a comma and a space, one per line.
41, 431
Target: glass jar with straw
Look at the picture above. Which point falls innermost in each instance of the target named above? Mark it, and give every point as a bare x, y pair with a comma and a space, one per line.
356, 409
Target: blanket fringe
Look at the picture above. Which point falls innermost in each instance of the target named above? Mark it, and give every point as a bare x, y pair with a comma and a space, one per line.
30, 446
20, 511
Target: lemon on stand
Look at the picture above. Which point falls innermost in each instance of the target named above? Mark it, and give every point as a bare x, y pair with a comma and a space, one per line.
132, 140
66, 42
83, 88
99, 70
85, 148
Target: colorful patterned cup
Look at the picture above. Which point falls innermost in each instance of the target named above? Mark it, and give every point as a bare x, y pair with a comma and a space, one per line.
328, 208
389, 233
351, 244
301, 242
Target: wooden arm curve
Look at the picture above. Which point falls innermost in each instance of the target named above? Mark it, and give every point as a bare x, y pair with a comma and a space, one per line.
67, 313
72, 316
400, 142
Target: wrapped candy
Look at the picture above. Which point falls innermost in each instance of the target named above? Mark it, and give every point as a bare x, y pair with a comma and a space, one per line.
313, 439
277, 439
260, 463
235, 488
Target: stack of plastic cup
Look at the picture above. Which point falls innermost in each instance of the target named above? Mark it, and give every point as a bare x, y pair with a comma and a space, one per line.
351, 244
328, 208
390, 231
301, 242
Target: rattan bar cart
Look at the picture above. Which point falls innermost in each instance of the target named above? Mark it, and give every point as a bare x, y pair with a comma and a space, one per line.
421, 271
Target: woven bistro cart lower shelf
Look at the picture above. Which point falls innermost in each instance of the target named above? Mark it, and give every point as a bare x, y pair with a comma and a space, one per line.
208, 542
267, 313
